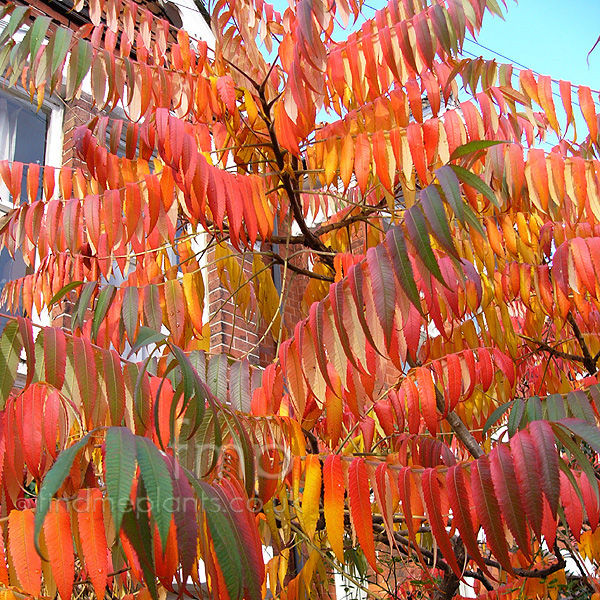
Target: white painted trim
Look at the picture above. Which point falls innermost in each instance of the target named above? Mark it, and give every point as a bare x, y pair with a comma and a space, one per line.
55, 135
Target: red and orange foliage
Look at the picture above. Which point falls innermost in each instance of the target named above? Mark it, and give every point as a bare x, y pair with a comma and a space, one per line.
435, 413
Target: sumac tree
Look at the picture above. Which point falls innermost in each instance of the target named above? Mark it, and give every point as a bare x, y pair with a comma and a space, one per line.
433, 416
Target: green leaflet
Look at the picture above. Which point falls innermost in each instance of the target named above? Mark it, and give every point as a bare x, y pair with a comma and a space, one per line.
495, 416
555, 407
475, 182
402, 267
193, 386
380, 268
105, 298
52, 483
17, 18
38, 34
451, 188
475, 146
81, 306
239, 385
145, 337
433, 207
59, 44
419, 235
565, 438
217, 376
223, 533
130, 310
516, 415
137, 529
586, 431
157, 481
64, 291
152, 310
10, 351
534, 409
580, 406
120, 469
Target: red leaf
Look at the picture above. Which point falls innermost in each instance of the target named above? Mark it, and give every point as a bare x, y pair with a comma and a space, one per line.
460, 504
507, 366
590, 500
412, 405
29, 408
166, 563
382, 274
548, 525
586, 102
454, 380
486, 369
528, 478
55, 356
360, 508
572, 505
488, 510
414, 134
507, 491
431, 493
405, 492
545, 449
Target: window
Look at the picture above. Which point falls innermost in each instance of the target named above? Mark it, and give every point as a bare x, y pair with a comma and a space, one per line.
26, 136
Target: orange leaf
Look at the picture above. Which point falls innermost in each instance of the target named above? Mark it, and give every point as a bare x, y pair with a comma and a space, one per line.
3, 568
347, 160
175, 309
90, 520
311, 494
59, 541
166, 564
27, 562
414, 134
362, 160
427, 396
565, 95
586, 102
333, 477
193, 291
546, 102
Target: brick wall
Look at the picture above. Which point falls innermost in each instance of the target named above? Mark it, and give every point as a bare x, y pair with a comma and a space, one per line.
249, 337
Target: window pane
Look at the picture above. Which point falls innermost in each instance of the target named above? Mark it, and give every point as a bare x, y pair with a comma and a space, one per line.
22, 135
22, 139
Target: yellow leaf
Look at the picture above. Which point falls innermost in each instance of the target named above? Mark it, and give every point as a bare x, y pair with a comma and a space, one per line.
311, 494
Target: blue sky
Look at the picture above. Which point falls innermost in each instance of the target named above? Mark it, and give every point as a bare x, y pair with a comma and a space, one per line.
551, 37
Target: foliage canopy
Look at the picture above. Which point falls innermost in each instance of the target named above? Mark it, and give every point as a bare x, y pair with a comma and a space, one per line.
435, 414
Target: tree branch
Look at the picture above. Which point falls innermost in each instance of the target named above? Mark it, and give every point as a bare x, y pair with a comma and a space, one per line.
589, 362
282, 261
289, 183
459, 428
480, 577
554, 352
535, 573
